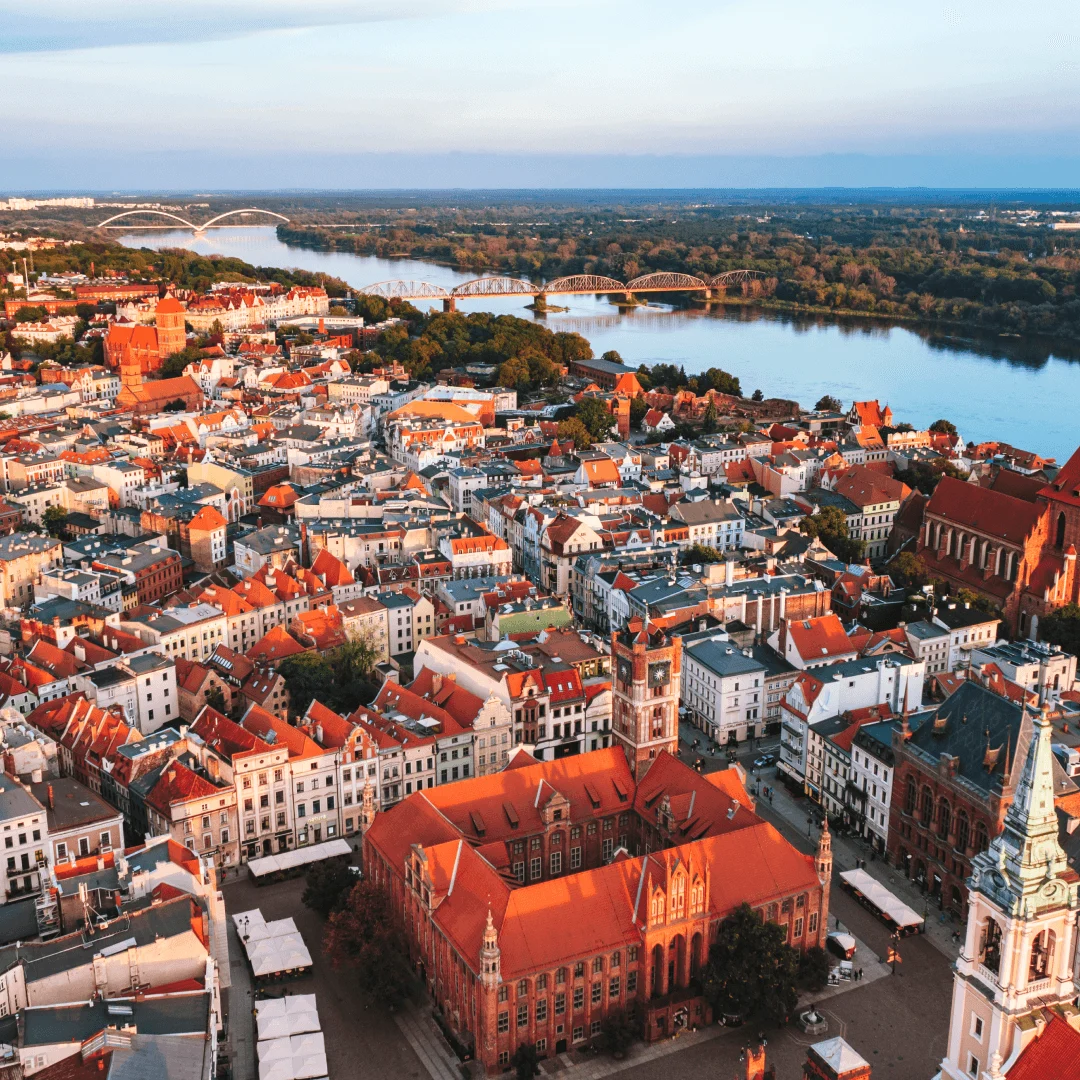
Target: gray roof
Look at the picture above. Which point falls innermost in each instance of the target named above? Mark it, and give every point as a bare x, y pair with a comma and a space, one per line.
162, 1057
43, 959
15, 800
706, 511
74, 804
172, 1014
722, 657
925, 631
18, 544
975, 721
272, 538
956, 616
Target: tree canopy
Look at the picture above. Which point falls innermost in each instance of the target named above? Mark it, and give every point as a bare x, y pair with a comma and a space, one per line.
593, 413
1062, 628
830, 526
328, 885
341, 679
828, 403
751, 968
363, 936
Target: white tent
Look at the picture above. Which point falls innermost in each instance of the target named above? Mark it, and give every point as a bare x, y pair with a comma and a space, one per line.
281, 1017
298, 857
892, 907
272, 947
297, 1057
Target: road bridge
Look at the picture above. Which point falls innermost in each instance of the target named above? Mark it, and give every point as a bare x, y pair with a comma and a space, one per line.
573, 285
175, 220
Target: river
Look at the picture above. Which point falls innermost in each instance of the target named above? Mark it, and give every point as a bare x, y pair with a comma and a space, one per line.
1019, 392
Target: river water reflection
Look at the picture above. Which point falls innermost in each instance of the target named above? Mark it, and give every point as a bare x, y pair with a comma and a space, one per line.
1020, 392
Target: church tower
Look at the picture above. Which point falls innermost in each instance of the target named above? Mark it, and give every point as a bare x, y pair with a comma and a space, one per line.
131, 380
1022, 907
171, 336
647, 671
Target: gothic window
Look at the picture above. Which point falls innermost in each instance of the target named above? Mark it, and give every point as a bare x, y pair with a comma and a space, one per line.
927, 805
949, 542
982, 841
909, 797
962, 830
944, 818
1042, 956
990, 945
1059, 537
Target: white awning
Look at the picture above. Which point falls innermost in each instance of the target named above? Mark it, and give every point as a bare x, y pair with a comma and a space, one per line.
298, 1057
279, 1018
888, 904
291, 860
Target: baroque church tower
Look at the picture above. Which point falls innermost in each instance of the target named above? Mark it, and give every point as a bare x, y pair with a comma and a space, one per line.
1017, 957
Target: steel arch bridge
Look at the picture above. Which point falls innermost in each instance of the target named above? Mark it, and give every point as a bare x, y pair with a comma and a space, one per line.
211, 224
574, 284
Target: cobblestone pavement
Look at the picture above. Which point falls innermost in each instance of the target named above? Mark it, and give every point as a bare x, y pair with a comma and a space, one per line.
359, 1042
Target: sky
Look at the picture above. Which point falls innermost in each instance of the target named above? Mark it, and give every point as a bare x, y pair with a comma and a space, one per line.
517, 93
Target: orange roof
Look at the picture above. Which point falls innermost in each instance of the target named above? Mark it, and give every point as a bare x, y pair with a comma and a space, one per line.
208, 520
276, 732
280, 496
984, 509
471, 545
601, 471
179, 784
275, 645
331, 569
168, 305
821, 637
322, 627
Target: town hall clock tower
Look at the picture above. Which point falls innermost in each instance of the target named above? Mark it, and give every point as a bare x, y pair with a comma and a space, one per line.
646, 678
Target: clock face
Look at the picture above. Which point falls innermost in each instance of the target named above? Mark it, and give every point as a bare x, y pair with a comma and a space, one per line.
625, 670
659, 673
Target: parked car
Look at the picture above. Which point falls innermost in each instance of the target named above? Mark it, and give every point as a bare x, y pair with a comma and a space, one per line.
841, 944
764, 761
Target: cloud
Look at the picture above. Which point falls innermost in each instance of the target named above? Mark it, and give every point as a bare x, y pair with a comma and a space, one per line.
65, 25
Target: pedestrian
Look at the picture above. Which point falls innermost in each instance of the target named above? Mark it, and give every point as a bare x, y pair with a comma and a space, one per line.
860, 974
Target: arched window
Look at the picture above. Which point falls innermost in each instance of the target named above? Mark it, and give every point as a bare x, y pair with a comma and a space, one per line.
927, 805
944, 818
1059, 535
990, 945
982, 841
950, 542
963, 830
909, 797
1042, 956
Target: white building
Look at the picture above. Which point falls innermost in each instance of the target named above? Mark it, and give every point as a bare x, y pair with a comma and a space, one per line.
722, 687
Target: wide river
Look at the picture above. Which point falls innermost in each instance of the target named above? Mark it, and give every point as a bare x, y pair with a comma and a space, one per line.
1023, 393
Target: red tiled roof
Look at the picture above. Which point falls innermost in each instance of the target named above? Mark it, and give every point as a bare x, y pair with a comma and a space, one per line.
984, 510
820, 637
1054, 1055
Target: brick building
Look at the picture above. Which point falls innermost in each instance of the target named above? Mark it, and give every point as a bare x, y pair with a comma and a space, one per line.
647, 676
957, 769
1014, 541
596, 929
150, 346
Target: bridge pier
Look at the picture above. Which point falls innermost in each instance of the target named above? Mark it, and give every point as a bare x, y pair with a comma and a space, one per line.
449, 304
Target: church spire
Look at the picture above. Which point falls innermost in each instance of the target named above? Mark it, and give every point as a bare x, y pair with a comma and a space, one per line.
1027, 854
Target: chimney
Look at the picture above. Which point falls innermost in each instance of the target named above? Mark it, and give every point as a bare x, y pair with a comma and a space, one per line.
35, 776
52, 802
436, 681
729, 572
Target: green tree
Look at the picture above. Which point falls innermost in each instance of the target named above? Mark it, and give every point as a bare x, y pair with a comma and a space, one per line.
719, 380
327, 887
751, 968
525, 1062
515, 373
709, 418
173, 366
830, 526
307, 675
945, 427
574, 430
54, 520
908, 570
31, 313
571, 347
593, 413
619, 1029
814, 967
827, 403
364, 936
925, 475
638, 409
978, 601
612, 357
757, 395
702, 553
1062, 628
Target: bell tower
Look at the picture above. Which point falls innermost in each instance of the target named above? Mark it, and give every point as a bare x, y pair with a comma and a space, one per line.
1022, 907
647, 670
171, 336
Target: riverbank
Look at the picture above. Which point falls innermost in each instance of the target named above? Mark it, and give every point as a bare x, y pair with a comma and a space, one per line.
963, 330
